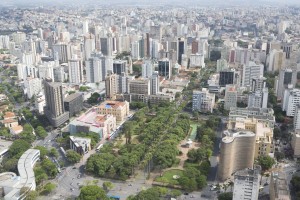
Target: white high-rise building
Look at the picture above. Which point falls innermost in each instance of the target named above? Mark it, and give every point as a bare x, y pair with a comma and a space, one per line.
32, 86
258, 99
96, 68
4, 42
135, 50
203, 101
290, 100
147, 68
75, 70
89, 45
19, 37
297, 118
85, 27
25, 71
154, 84
252, 71
246, 184
197, 60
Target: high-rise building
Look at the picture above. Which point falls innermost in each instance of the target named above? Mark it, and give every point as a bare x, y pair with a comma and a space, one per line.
54, 108
230, 97
237, 153
276, 60
120, 66
96, 68
75, 70
147, 68
154, 84
258, 98
203, 101
296, 143
165, 68
226, 77
290, 100
246, 184
111, 86
63, 50
258, 84
279, 187
252, 71
222, 65
155, 32
180, 49
297, 118
33, 86
139, 86
89, 45
286, 77
73, 103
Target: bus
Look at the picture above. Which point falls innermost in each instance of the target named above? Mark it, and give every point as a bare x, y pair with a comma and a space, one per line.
99, 147
63, 151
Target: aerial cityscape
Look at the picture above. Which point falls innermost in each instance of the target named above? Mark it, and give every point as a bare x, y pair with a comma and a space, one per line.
139, 100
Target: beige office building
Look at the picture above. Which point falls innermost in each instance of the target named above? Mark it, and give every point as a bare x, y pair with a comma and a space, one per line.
111, 86
263, 133
116, 108
139, 86
237, 153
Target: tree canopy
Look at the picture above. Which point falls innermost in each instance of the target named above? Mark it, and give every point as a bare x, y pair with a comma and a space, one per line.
266, 162
92, 192
72, 156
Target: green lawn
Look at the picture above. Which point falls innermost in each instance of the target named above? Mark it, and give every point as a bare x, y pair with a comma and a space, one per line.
193, 132
168, 177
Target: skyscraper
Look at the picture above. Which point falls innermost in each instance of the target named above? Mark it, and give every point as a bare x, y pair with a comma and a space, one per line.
180, 49
287, 77
75, 70
96, 68
111, 86
147, 68
164, 68
120, 66
54, 108
252, 71
154, 83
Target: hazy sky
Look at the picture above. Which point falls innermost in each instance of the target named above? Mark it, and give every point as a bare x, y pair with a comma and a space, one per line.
148, 2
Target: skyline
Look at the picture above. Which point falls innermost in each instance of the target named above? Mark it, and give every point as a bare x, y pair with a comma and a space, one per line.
216, 3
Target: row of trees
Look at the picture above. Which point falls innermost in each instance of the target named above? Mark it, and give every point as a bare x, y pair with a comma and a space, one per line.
159, 131
155, 193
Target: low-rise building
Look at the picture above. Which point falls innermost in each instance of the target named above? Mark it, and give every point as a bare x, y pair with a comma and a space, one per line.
12, 185
263, 133
91, 121
80, 145
116, 108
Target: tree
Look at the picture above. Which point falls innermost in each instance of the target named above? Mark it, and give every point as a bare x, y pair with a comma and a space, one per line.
32, 195
92, 192
41, 132
53, 152
73, 156
18, 148
43, 151
4, 131
95, 98
266, 162
188, 184
296, 183
107, 185
149, 194
279, 155
225, 196
40, 175
49, 167
48, 188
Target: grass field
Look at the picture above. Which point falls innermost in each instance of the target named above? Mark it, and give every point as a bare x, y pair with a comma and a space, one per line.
168, 177
193, 132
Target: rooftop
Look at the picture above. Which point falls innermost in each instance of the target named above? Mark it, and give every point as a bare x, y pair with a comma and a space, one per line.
231, 135
71, 97
80, 141
4, 146
112, 104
